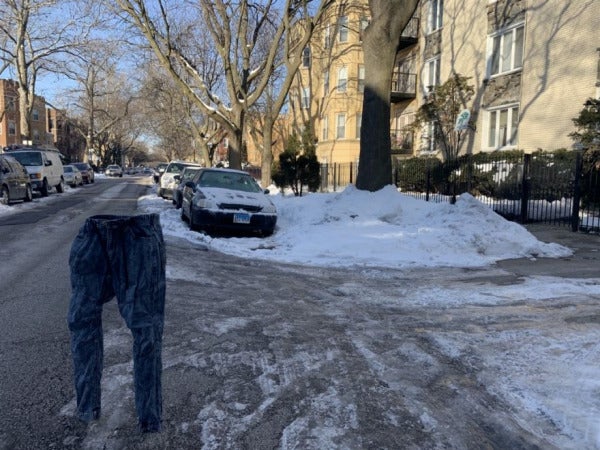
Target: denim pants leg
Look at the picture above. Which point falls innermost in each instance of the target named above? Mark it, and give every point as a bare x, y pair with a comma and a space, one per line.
122, 256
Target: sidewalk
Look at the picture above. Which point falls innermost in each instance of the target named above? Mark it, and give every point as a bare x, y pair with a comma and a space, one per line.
584, 263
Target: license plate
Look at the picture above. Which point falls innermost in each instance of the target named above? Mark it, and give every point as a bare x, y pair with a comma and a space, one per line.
241, 218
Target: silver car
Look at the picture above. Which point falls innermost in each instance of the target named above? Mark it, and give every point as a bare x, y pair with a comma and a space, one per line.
114, 170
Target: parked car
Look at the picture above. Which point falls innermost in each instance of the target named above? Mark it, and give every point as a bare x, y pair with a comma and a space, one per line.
186, 175
168, 183
44, 166
218, 200
160, 169
113, 170
14, 181
87, 173
72, 175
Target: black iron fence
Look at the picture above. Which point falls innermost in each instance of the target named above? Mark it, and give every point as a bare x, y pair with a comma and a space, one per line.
555, 188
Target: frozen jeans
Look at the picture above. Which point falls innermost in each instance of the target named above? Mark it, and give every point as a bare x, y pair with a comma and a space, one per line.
122, 256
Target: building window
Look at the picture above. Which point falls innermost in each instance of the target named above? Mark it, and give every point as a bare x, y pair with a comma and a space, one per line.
342, 79
429, 136
340, 132
325, 83
327, 36
361, 78
36, 136
358, 124
432, 74
325, 130
305, 98
12, 128
306, 57
10, 104
343, 29
503, 128
363, 24
506, 51
35, 115
436, 12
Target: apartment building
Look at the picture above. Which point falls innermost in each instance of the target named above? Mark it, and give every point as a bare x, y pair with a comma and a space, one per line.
10, 124
533, 64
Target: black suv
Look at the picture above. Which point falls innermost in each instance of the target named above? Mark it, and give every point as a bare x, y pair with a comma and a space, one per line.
14, 181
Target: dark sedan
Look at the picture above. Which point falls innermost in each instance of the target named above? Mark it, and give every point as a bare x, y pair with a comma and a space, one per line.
226, 200
87, 173
14, 181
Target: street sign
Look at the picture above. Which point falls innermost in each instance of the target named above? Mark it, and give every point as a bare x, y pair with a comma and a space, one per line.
462, 121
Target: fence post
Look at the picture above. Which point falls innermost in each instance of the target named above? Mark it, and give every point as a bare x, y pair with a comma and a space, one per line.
428, 186
577, 192
525, 187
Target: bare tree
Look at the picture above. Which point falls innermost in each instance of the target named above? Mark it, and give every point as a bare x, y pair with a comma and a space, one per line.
248, 37
33, 33
380, 43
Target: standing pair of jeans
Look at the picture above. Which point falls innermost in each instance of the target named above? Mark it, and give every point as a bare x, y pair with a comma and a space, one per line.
122, 256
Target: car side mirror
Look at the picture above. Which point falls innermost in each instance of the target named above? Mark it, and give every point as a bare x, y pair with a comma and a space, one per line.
190, 185
177, 178
48, 163
266, 191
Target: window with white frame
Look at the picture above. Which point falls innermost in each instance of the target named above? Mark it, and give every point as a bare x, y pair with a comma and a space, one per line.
432, 74
436, 12
343, 29
505, 50
305, 98
35, 115
342, 83
327, 36
306, 57
429, 136
361, 78
358, 124
363, 24
503, 127
325, 128
325, 83
340, 121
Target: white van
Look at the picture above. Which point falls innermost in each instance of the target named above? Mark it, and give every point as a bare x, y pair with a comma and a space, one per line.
45, 168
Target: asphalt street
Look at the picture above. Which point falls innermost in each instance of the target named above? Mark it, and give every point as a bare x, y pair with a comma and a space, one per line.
259, 355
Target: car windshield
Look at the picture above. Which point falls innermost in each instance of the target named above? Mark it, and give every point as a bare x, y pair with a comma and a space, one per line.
188, 174
82, 166
28, 158
176, 167
68, 168
229, 180
113, 167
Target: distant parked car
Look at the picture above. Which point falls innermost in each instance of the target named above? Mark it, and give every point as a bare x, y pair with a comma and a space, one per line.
186, 175
168, 183
160, 169
113, 170
14, 181
218, 200
73, 176
87, 173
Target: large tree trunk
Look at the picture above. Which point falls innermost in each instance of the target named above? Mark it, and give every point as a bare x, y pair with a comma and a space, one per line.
380, 44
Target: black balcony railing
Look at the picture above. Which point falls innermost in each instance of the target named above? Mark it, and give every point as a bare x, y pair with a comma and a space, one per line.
404, 86
410, 34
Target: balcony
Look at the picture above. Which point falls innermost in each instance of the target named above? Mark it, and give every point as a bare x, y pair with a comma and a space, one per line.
410, 34
404, 86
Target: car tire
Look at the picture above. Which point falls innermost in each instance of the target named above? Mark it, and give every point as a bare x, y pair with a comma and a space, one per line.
4, 196
28, 193
191, 222
60, 187
44, 189
183, 216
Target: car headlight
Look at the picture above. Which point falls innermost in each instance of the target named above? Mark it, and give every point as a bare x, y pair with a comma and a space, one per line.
270, 209
35, 176
201, 201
